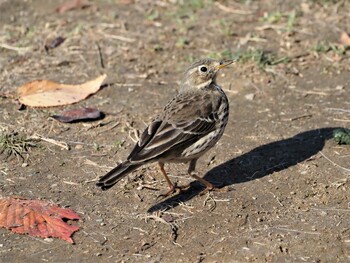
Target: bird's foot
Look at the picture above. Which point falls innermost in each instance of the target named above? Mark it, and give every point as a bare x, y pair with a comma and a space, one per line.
174, 189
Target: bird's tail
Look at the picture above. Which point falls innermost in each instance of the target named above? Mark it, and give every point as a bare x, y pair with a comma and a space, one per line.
116, 174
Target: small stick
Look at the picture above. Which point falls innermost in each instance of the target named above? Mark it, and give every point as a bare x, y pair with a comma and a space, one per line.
301, 117
335, 164
100, 55
63, 145
231, 10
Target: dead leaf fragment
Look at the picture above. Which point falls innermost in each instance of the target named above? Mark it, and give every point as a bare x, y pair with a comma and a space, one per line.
46, 93
82, 114
37, 218
70, 4
54, 43
345, 39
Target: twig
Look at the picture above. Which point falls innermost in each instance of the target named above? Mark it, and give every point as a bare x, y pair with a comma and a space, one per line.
121, 38
335, 164
341, 120
110, 128
63, 145
93, 180
100, 55
297, 231
17, 49
301, 117
70, 183
210, 198
338, 109
311, 92
231, 10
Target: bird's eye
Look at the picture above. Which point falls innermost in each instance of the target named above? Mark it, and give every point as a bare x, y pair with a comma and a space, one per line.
203, 69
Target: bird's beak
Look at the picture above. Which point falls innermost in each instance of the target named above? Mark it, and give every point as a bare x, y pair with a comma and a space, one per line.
224, 63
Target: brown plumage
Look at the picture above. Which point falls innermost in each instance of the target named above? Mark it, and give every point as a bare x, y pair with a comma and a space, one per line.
189, 125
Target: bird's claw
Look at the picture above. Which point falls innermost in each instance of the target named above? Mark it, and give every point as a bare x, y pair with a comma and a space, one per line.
174, 189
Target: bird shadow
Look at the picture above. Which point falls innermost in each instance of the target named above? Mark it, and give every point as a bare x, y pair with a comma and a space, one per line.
257, 163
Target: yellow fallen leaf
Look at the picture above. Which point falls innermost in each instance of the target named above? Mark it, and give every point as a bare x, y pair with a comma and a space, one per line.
46, 93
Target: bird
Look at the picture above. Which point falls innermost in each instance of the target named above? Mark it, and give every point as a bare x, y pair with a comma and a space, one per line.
190, 124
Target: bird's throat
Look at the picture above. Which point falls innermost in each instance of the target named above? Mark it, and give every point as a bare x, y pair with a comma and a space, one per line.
204, 84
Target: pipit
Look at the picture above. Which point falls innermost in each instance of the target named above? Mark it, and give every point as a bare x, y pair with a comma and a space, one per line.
189, 125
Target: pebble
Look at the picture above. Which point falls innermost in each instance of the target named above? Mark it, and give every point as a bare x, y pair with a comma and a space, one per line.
339, 87
250, 96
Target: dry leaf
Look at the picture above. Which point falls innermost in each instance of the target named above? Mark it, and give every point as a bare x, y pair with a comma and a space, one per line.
37, 218
69, 5
345, 39
54, 43
46, 93
83, 114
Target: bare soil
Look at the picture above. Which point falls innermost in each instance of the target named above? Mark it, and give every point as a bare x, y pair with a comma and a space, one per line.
286, 181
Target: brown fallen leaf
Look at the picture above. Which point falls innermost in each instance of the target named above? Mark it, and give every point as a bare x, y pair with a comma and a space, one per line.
46, 93
82, 114
37, 218
69, 5
54, 43
345, 39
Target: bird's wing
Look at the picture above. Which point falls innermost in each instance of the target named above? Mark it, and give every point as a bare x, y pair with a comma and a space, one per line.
185, 120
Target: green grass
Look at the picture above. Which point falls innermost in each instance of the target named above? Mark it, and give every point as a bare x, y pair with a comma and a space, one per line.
153, 15
194, 4
226, 28
272, 18
188, 8
13, 144
323, 47
181, 42
118, 143
291, 19
288, 18
261, 58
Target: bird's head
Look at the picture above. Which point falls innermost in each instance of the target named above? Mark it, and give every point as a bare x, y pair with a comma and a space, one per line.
203, 72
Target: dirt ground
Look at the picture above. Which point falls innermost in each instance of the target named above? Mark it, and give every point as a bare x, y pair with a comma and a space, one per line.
286, 180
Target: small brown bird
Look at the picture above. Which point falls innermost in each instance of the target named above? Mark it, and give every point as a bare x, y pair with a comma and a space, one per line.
189, 125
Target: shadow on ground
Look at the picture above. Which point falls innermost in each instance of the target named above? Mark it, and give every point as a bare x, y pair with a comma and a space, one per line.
257, 163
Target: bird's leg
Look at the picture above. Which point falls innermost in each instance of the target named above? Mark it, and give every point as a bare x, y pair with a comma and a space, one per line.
192, 173
172, 187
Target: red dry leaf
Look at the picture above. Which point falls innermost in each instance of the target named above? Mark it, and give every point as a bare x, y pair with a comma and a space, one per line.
46, 93
83, 114
37, 218
69, 5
